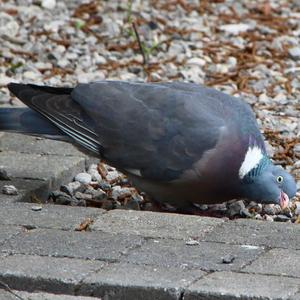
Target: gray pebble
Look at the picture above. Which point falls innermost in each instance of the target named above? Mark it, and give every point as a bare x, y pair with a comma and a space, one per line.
72, 187
281, 218
97, 194
297, 210
228, 259
3, 175
62, 198
112, 176
120, 192
269, 209
297, 148
132, 204
93, 171
105, 186
294, 53
235, 208
83, 196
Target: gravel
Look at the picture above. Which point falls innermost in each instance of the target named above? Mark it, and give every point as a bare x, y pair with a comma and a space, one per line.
243, 48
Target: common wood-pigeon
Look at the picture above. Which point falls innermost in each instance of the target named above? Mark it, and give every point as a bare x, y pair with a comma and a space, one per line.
182, 143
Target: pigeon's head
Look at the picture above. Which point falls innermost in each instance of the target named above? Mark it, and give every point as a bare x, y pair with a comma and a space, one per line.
268, 183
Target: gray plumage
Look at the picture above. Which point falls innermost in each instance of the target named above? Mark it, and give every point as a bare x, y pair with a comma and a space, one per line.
180, 142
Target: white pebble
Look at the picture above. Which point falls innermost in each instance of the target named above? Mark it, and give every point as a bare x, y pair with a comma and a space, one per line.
36, 208
9, 190
235, 28
112, 176
48, 4
93, 171
84, 178
196, 61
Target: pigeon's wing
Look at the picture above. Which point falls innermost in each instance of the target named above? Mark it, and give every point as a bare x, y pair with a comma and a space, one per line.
57, 106
155, 130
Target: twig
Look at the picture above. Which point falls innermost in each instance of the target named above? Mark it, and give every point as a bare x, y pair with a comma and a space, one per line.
140, 44
8, 289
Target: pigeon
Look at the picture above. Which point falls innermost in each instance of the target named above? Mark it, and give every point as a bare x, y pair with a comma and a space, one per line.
181, 143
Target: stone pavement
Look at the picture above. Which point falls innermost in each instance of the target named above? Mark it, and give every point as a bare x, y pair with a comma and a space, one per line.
128, 254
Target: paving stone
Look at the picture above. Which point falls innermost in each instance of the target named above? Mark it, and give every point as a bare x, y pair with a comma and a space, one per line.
5, 295
47, 296
230, 286
31, 144
50, 216
49, 274
295, 297
29, 190
59, 243
8, 232
151, 224
42, 167
277, 262
252, 232
127, 281
206, 256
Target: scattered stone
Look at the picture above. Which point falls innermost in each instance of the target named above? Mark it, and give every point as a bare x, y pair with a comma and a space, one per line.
269, 209
297, 148
235, 208
93, 171
36, 208
294, 53
83, 178
72, 187
192, 242
8, 26
105, 186
281, 218
228, 259
10, 190
245, 213
112, 176
268, 218
48, 4
133, 203
97, 194
4, 175
83, 196
258, 217
59, 197
297, 208
235, 28
119, 192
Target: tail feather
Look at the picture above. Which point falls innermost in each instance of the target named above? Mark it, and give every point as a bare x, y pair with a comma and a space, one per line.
27, 121
18, 88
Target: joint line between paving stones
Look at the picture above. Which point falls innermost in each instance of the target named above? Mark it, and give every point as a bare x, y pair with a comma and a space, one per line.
266, 274
242, 244
7, 240
144, 240
81, 282
30, 178
47, 154
8, 289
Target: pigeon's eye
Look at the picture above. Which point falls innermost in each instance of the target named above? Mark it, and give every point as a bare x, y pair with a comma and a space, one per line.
279, 179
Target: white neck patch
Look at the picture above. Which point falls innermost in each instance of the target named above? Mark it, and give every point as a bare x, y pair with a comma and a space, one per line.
252, 158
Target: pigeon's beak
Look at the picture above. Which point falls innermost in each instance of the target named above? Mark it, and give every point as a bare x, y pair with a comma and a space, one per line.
284, 200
